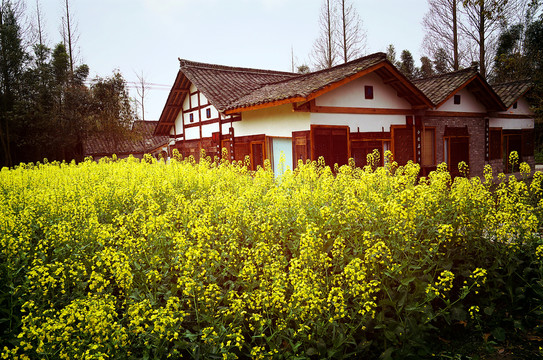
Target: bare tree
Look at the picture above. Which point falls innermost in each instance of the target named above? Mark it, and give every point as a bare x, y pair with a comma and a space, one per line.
325, 47
352, 37
69, 33
483, 20
142, 87
39, 30
441, 27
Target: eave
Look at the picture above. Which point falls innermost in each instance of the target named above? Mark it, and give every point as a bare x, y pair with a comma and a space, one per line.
174, 104
384, 69
482, 91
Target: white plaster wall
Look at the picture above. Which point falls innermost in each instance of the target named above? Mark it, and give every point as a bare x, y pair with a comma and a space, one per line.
192, 88
194, 100
178, 124
192, 133
522, 108
352, 95
512, 124
196, 117
359, 122
274, 121
468, 103
208, 130
214, 113
203, 99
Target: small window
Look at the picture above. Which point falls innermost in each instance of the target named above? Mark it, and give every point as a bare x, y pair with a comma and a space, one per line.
208, 113
191, 117
515, 105
457, 99
368, 92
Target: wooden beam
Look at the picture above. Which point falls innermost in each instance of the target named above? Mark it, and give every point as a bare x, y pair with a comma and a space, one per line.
265, 105
456, 114
390, 80
358, 110
510, 116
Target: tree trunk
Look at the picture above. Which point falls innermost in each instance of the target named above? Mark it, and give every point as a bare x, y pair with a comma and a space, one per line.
482, 67
344, 23
68, 28
329, 20
455, 36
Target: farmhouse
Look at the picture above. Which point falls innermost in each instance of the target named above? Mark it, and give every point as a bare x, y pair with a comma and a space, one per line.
140, 141
346, 112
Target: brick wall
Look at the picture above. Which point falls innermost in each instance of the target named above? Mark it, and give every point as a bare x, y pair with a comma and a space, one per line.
476, 130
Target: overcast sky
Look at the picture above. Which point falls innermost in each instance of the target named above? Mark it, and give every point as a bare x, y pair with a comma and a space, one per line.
150, 35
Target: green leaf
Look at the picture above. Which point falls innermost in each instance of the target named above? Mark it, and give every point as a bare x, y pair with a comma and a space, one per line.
387, 354
407, 281
458, 313
498, 333
390, 335
489, 310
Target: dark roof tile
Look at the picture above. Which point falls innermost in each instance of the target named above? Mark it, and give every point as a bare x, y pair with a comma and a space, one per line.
512, 91
224, 84
438, 88
305, 85
143, 141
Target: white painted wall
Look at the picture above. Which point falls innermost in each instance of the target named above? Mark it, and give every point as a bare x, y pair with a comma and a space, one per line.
522, 108
192, 133
203, 99
178, 125
511, 124
274, 121
352, 95
208, 130
359, 122
468, 103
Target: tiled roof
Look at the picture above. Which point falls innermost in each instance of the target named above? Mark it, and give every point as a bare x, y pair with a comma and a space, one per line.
302, 86
143, 141
438, 88
512, 91
223, 85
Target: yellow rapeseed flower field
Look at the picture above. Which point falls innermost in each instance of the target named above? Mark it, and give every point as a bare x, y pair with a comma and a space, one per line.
138, 259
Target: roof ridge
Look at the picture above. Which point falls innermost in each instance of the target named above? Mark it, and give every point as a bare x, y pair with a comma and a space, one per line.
301, 76
190, 63
374, 55
512, 82
471, 68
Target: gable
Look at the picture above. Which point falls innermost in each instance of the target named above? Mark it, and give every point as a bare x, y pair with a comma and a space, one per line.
468, 103
352, 94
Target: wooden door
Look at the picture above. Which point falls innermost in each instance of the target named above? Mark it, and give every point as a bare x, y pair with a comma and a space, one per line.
300, 147
361, 148
458, 152
402, 143
257, 154
332, 143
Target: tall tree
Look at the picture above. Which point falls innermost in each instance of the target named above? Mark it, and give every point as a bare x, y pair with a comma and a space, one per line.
12, 59
112, 114
426, 67
441, 64
407, 64
510, 62
441, 28
352, 37
483, 20
325, 46
69, 33
142, 88
391, 54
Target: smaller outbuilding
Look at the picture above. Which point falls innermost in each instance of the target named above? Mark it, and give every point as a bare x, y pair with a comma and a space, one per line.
141, 140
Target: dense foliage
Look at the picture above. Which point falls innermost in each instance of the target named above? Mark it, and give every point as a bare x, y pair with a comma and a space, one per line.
48, 109
129, 259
